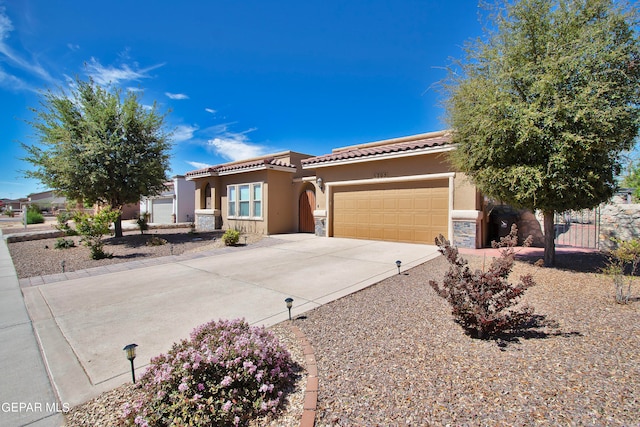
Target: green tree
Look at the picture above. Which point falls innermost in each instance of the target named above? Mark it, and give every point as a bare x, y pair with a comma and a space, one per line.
99, 146
543, 105
632, 180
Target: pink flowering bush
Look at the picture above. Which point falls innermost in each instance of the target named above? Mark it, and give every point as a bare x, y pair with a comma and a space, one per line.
225, 374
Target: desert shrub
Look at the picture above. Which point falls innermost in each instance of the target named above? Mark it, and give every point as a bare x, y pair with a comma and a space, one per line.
143, 222
231, 237
34, 216
225, 374
63, 219
623, 261
481, 300
93, 227
63, 243
156, 241
9, 212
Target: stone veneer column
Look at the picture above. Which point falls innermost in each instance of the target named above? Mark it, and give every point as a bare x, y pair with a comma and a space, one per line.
320, 219
208, 219
467, 232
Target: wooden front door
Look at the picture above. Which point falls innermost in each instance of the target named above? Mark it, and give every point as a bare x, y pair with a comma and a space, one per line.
307, 203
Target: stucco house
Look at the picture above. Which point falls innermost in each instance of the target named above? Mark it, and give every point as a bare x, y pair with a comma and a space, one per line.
401, 189
175, 204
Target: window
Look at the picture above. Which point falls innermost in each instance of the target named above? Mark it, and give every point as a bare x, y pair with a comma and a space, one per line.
245, 200
207, 196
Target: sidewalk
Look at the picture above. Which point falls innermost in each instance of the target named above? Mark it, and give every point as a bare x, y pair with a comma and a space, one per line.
26, 394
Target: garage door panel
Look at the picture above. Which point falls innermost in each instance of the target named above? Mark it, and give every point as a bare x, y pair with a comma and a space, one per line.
407, 212
161, 211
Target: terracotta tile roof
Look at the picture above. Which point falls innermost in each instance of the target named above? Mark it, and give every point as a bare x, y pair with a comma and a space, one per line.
381, 149
240, 166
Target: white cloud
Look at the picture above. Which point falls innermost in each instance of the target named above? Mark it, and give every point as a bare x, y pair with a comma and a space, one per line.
72, 46
183, 133
114, 75
178, 96
198, 165
13, 58
235, 146
210, 110
12, 82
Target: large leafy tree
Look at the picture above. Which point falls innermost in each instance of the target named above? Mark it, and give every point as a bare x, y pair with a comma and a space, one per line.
98, 145
543, 105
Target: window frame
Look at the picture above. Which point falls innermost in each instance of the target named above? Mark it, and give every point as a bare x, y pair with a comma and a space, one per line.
236, 202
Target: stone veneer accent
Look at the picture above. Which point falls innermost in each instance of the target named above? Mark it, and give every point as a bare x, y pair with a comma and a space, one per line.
320, 219
208, 219
620, 221
466, 229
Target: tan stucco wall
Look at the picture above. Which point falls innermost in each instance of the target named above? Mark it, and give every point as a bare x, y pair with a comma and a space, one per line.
465, 196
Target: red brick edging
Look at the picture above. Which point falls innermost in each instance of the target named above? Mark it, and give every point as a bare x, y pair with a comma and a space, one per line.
311, 392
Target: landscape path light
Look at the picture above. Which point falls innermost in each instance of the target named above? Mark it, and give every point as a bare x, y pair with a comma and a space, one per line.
131, 354
289, 302
398, 264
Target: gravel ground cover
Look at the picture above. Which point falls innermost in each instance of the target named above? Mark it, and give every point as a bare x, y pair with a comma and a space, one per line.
392, 355
39, 257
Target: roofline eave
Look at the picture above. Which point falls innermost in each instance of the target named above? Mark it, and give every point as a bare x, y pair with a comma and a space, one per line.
376, 157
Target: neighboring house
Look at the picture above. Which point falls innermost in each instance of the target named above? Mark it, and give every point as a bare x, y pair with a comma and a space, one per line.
175, 204
400, 189
14, 205
47, 201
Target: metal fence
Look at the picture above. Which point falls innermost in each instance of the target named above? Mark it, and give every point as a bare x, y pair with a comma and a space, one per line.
580, 229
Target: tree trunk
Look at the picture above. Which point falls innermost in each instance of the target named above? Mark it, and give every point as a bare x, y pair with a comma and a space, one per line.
549, 239
118, 226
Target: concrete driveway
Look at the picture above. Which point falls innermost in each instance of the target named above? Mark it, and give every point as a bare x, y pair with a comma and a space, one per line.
83, 324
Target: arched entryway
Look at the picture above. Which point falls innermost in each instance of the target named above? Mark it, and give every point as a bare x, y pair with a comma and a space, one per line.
306, 205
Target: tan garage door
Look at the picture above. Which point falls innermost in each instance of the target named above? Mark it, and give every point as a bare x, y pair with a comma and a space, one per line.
400, 212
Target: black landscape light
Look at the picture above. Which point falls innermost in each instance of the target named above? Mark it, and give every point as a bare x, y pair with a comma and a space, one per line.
398, 264
131, 354
289, 302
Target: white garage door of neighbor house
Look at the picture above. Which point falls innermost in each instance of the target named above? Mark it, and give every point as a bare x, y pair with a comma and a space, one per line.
162, 210
401, 212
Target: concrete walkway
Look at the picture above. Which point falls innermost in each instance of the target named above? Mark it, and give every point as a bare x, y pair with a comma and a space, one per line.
83, 323
26, 395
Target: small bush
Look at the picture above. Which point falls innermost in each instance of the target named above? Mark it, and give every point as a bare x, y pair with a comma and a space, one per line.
623, 260
63, 243
63, 219
93, 227
225, 374
156, 241
143, 222
231, 237
34, 216
480, 299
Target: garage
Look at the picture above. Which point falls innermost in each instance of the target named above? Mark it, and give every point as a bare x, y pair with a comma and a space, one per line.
415, 211
161, 211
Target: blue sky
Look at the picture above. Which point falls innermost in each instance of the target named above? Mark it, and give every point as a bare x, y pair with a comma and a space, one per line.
241, 77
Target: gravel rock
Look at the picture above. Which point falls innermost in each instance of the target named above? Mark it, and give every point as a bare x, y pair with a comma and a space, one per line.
40, 257
392, 355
